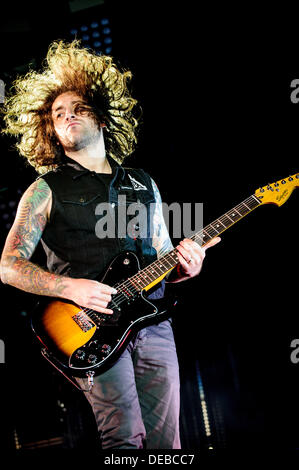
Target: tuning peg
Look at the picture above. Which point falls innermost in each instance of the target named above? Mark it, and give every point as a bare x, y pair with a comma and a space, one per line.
270, 187
290, 178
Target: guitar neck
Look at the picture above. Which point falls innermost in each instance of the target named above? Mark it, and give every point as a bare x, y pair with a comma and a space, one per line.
156, 271
225, 221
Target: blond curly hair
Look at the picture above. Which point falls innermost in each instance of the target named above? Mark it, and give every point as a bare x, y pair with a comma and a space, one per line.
70, 67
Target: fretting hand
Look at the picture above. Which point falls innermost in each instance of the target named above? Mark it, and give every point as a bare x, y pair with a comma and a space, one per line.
191, 256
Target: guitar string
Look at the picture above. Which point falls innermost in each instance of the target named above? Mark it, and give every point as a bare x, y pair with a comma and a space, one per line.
197, 235
200, 235
128, 284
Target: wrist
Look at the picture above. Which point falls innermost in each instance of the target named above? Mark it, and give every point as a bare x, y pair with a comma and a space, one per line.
177, 275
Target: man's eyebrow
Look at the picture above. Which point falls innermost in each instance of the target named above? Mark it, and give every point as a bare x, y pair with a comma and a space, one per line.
62, 106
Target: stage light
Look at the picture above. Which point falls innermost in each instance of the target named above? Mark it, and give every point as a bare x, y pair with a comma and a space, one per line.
203, 402
96, 29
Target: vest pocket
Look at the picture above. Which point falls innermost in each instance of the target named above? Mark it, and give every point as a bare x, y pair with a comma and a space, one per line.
79, 212
81, 200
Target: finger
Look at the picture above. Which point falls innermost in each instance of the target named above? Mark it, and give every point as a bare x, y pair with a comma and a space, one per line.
107, 289
99, 301
100, 308
102, 297
184, 253
183, 262
107, 311
193, 248
211, 243
197, 254
187, 243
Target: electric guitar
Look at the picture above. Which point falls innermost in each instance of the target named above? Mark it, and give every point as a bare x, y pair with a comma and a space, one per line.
82, 342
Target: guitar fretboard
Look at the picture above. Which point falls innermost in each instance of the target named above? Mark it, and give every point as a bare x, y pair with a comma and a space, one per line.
161, 266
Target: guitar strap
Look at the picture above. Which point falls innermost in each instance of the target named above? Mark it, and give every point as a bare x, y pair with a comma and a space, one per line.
137, 180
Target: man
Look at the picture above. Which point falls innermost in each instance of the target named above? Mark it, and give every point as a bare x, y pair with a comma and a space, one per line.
61, 115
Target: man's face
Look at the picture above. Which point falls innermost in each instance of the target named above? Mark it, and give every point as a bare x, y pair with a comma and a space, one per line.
75, 128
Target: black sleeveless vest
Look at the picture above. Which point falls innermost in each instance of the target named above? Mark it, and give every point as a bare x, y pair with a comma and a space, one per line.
70, 239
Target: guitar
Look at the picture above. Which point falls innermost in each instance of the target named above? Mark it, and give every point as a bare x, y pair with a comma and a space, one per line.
82, 342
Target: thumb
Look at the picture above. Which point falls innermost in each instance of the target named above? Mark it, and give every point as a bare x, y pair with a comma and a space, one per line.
212, 242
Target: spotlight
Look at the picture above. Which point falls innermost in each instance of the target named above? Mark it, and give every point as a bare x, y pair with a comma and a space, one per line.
91, 31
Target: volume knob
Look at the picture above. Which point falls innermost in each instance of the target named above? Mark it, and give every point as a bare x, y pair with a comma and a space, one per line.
92, 358
80, 354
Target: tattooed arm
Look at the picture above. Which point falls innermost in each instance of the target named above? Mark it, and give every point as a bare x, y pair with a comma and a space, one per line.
16, 269
27, 229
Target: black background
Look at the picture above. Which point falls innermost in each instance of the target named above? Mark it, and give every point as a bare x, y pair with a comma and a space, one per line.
218, 122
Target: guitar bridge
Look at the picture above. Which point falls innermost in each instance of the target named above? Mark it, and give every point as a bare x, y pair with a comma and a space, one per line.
83, 321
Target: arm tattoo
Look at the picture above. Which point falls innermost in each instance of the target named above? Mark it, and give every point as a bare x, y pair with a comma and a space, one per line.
29, 277
26, 232
161, 239
30, 221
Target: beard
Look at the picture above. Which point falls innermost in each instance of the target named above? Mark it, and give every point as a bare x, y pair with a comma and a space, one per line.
81, 140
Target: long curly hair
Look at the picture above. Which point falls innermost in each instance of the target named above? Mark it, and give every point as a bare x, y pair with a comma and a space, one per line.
95, 78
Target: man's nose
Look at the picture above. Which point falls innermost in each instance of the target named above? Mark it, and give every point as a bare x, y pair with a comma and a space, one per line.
70, 115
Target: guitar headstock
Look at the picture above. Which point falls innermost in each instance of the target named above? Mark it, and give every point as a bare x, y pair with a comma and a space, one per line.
279, 192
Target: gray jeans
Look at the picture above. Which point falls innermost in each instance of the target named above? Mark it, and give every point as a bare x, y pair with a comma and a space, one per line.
136, 402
